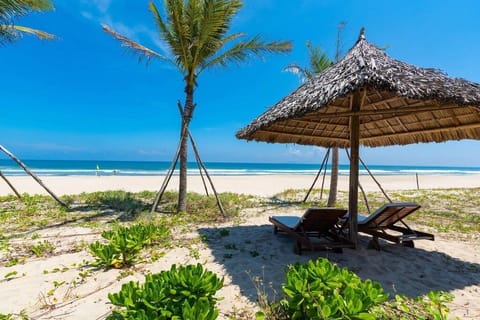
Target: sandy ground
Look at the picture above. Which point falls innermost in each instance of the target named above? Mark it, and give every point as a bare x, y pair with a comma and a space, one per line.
57, 287
257, 185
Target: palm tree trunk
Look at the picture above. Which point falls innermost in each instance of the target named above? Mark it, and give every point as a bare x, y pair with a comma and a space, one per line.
186, 117
332, 195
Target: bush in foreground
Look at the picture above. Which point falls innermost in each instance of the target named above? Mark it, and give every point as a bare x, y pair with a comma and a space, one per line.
320, 290
186, 292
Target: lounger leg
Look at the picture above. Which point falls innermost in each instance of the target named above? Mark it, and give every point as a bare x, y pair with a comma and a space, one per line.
297, 248
374, 244
275, 230
408, 244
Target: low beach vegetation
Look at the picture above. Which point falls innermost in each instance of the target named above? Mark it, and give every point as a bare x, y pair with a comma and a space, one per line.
125, 243
121, 233
184, 292
321, 290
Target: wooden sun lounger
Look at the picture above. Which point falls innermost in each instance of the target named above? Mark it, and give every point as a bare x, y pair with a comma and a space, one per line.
315, 224
381, 222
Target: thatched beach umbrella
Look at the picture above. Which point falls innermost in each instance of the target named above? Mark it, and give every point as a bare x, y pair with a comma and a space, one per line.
370, 99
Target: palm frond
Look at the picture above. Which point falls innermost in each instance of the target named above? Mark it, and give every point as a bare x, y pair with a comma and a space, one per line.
39, 33
215, 23
141, 50
196, 33
11, 8
242, 50
167, 34
297, 70
7, 34
319, 60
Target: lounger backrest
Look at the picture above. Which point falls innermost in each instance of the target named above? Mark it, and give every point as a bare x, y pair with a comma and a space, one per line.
320, 219
389, 214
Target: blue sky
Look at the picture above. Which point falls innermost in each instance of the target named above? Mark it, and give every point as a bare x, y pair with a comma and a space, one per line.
83, 96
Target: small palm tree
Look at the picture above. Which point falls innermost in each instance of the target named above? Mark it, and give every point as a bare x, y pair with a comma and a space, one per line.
318, 62
9, 9
196, 34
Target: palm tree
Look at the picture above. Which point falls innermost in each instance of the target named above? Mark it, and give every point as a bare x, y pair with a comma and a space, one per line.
196, 34
9, 9
319, 61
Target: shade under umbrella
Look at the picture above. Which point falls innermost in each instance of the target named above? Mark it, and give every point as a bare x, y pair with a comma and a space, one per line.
370, 99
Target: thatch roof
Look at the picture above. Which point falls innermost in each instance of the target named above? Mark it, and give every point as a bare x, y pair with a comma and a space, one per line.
400, 104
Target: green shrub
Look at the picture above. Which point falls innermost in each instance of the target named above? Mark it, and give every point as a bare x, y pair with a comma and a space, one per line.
42, 248
432, 306
125, 243
183, 293
321, 290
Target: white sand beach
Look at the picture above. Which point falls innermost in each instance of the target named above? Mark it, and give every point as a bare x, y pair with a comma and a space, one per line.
53, 287
256, 185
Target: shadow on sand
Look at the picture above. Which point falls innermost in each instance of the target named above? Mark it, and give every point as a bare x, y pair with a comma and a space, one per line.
247, 252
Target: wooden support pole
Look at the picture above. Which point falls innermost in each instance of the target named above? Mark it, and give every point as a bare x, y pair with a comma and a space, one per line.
323, 177
10, 185
170, 171
24, 167
174, 163
376, 181
219, 203
356, 103
364, 195
201, 176
197, 158
325, 159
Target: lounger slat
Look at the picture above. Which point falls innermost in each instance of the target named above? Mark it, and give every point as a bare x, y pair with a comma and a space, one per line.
315, 223
385, 218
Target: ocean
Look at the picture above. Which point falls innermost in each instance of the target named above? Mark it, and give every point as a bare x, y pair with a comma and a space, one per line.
151, 168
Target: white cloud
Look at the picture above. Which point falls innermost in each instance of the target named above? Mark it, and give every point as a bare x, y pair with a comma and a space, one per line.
87, 15
305, 153
102, 5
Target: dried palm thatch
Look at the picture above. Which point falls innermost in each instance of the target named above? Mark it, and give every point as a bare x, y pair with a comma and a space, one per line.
399, 104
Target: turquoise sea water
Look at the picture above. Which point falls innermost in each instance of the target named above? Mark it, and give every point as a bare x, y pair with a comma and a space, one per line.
147, 168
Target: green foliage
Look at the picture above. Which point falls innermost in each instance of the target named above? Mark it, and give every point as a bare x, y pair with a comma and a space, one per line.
432, 306
92, 210
204, 208
186, 292
117, 200
12, 262
321, 290
30, 212
10, 274
224, 232
125, 243
42, 248
11, 9
21, 316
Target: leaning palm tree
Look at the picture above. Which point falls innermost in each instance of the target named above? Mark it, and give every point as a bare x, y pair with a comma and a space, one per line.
9, 9
319, 61
196, 34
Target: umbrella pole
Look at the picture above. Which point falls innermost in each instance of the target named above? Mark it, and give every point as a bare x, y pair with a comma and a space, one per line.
354, 160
